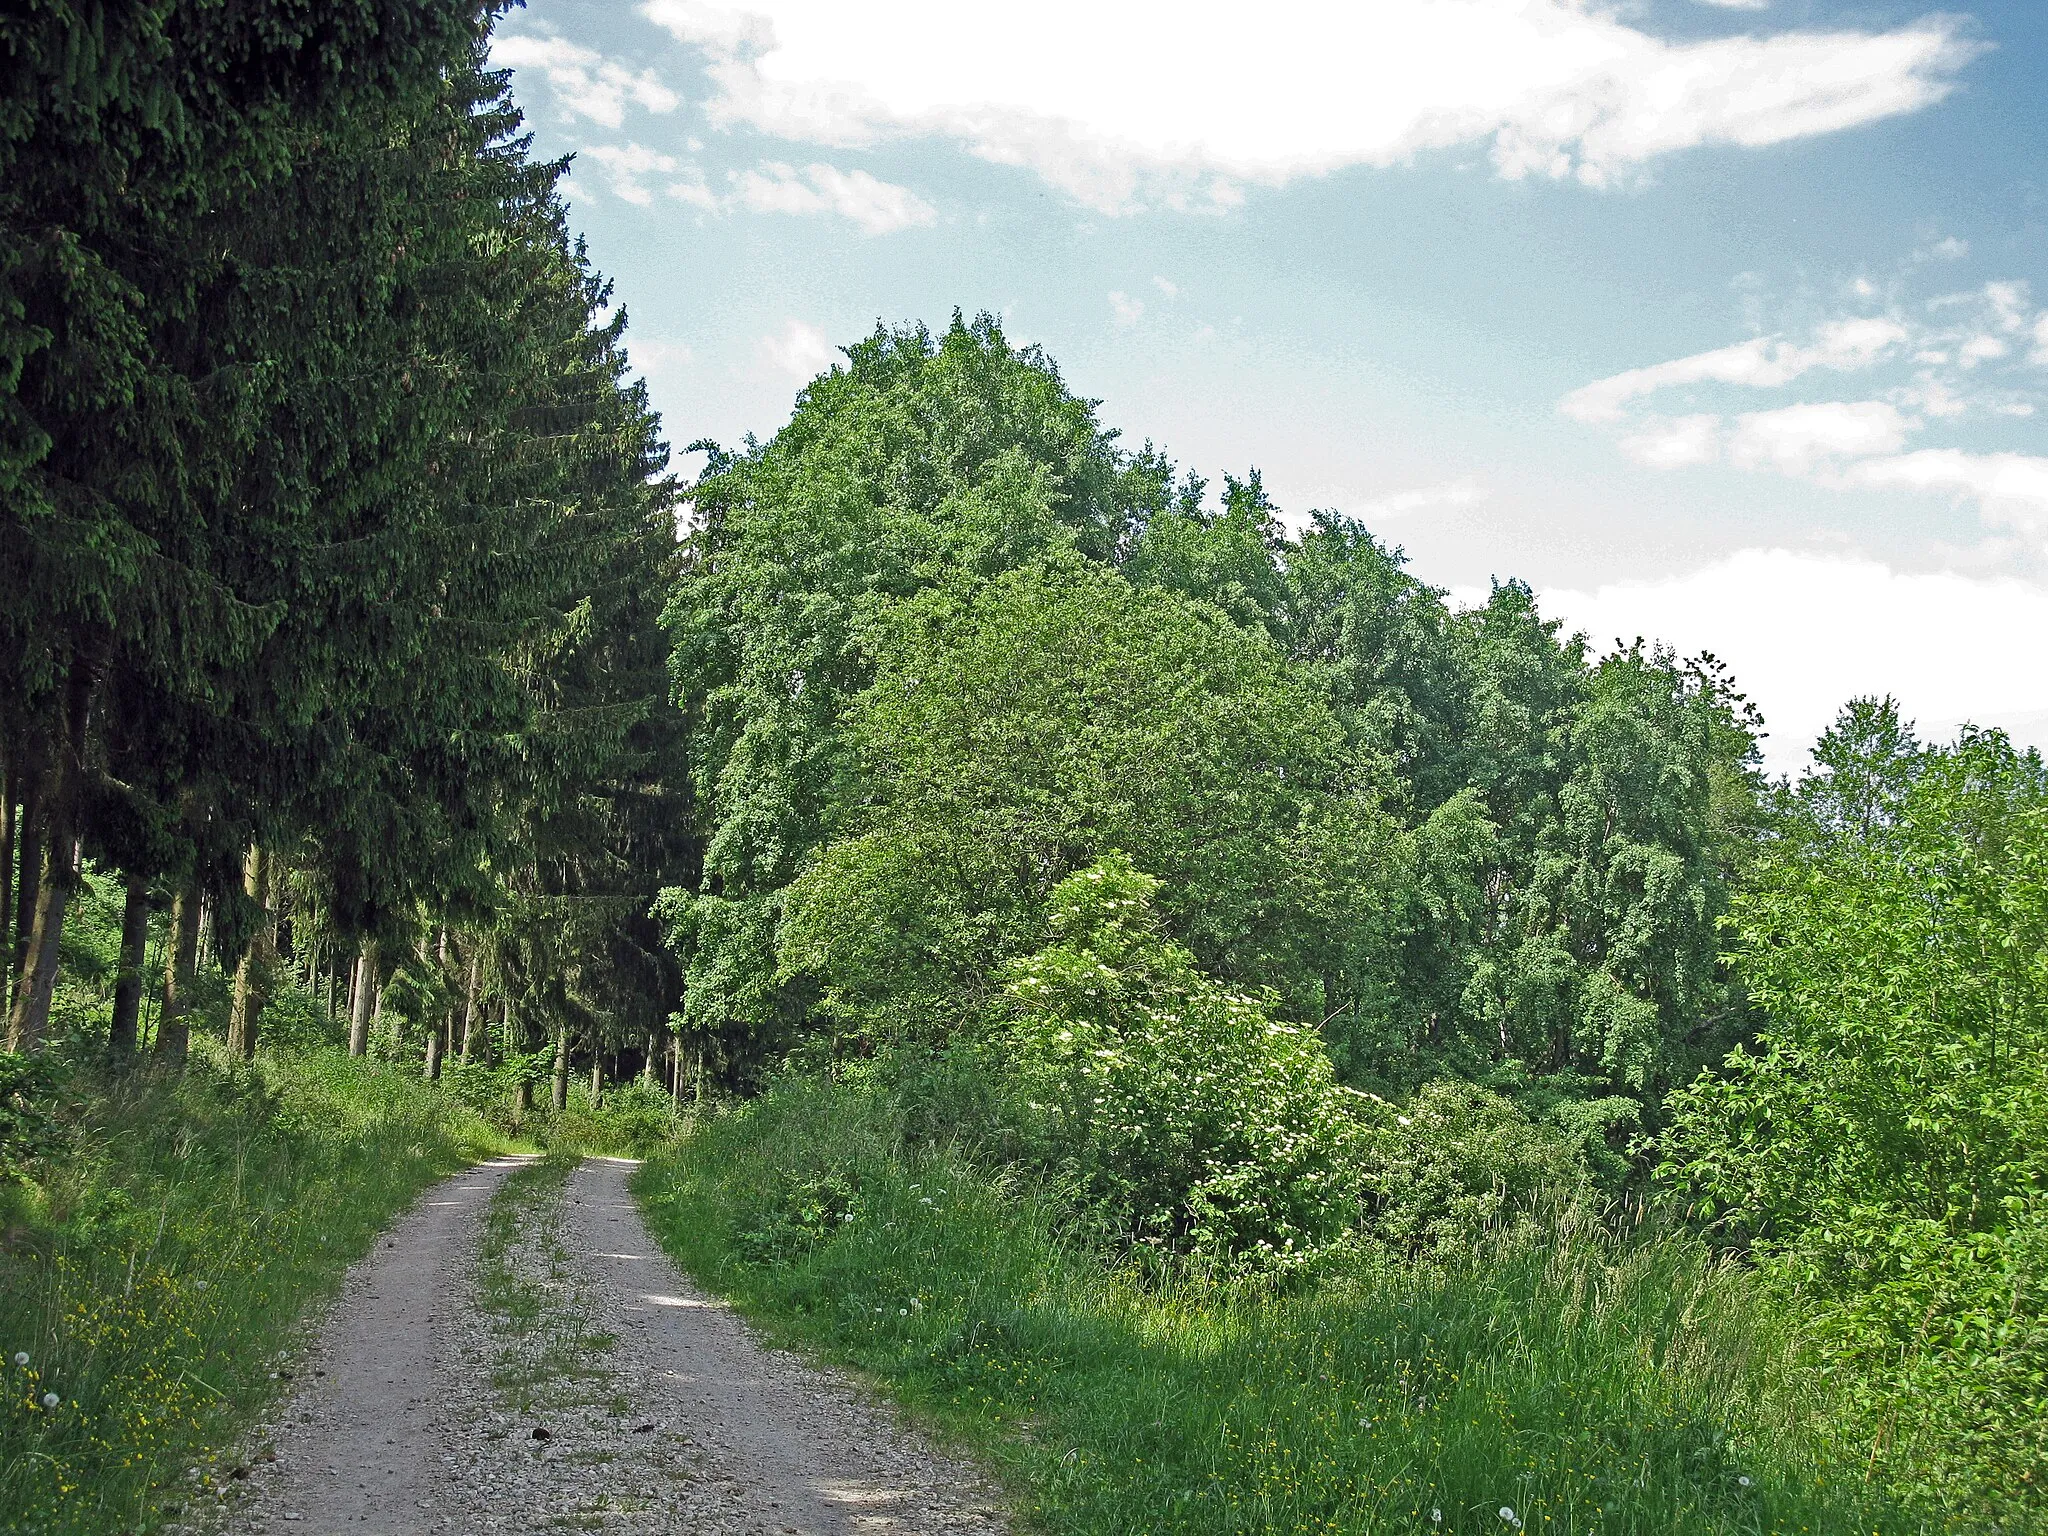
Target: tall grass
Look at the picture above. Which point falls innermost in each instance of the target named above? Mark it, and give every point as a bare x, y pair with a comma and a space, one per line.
1588, 1382
155, 1272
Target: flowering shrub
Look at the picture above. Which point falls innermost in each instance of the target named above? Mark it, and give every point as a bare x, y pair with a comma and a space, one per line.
1182, 1115
1455, 1161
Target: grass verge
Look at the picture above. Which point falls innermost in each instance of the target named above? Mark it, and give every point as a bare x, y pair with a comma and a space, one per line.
154, 1273
1586, 1385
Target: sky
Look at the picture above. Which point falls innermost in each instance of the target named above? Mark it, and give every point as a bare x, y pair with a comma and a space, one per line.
1720, 322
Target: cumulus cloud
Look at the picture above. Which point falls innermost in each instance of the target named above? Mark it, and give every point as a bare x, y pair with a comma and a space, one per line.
583, 82
799, 350
878, 207
1453, 493
1552, 88
1765, 362
1961, 348
1800, 439
627, 168
1672, 442
2010, 488
1128, 311
1805, 631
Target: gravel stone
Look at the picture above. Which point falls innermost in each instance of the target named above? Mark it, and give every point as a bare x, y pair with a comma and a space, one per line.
675, 1419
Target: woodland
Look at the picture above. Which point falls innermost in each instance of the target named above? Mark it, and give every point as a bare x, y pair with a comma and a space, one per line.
1295, 982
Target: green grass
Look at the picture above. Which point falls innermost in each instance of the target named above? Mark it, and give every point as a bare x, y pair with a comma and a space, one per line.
155, 1275
549, 1354
1591, 1383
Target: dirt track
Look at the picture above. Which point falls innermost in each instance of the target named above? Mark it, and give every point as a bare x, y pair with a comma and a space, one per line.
656, 1409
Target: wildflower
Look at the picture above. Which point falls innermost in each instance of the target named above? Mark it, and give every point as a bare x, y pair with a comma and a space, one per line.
21, 1357
50, 1399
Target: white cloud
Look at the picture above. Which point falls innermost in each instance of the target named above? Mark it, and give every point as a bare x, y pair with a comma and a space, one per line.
585, 83
1961, 347
2010, 488
1297, 88
1129, 311
1454, 493
2039, 356
1738, 5
878, 207
627, 169
1764, 362
1800, 439
654, 356
1672, 442
1167, 286
1804, 632
800, 351
1981, 349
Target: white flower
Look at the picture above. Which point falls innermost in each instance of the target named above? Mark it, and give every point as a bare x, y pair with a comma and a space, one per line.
1436, 1517
50, 1399
21, 1357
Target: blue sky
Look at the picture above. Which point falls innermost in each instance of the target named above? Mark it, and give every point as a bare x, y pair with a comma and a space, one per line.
1721, 323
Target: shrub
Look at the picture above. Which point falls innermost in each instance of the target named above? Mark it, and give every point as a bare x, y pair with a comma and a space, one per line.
1457, 1162
1181, 1116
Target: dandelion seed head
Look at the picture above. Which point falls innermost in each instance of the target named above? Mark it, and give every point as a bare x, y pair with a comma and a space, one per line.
50, 1399
1742, 1482
21, 1357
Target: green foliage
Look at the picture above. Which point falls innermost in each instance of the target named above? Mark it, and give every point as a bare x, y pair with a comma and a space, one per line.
1454, 1164
920, 458
1017, 729
1181, 1115
158, 1267
631, 1120
1589, 1382
30, 1130
1880, 1146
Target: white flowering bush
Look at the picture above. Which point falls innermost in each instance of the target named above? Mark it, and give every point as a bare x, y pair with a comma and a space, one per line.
1182, 1116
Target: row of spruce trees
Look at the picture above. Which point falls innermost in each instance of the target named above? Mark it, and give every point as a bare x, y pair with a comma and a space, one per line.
332, 531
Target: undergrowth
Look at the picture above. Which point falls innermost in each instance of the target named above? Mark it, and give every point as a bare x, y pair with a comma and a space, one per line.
155, 1267
1582, 1382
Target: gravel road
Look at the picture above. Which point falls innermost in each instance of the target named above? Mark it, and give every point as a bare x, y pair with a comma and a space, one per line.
594, 1389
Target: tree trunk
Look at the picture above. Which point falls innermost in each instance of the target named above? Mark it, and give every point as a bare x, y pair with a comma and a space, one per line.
29, 1019
9, 787
28, 838
256, 974
173, 1032
596, 1077
469, 1009
443, 1029
560, 1097
125, 1036
361, 995
522, 1102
